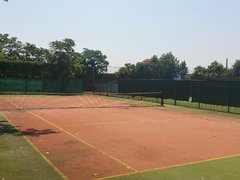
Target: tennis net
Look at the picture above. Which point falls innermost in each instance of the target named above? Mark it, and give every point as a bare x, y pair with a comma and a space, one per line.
63, 101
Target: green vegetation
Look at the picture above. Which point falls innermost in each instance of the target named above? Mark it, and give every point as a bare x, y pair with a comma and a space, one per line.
169, 67
236, 68
227, 168
216, 71
18, 159
165, 67
195, 105
59, 61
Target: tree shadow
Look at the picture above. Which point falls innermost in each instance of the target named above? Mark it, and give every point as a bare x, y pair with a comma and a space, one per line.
36, 132
6, 128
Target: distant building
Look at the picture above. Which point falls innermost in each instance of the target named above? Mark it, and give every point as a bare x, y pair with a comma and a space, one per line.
147, 60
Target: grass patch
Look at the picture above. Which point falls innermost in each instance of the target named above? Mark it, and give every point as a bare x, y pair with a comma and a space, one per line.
203, 111
223, 169
18, 159
203, 106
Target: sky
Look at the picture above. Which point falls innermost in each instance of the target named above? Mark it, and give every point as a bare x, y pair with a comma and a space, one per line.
129, 31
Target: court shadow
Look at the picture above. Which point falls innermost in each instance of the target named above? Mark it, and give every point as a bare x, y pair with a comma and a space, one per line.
36, 132
6, 128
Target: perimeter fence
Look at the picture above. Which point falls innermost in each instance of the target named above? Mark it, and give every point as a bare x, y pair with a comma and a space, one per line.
40, 85
214, 95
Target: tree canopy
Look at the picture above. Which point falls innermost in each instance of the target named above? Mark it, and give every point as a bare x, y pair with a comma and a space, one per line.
60, 60
236, 69
165, 67
96, 59
215, 71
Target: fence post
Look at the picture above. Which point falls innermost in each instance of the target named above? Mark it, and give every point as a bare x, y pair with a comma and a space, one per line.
200, 95
228, 99
175, 96
162, 98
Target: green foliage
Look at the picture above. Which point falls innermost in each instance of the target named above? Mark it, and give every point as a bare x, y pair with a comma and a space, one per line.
165, 67
199, 73
154, 59
168, 65
10, 47
215, 70
23, 69
236, 69
61, 60
183, 69
94, 59
63, 57
144, 70
127, 71
66, 46
228, 74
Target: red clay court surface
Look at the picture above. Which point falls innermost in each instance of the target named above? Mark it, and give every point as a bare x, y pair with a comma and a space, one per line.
91, 143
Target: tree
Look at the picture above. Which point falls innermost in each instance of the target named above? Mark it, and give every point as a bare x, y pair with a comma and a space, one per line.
215, 70
228, 74
43, 55
183, 70
65, 46
32, 53
11, 48
95, 59
199, 73
236, 68
168, 65
78, 66
165, 67
154, 59
144, 70
127, 71
69, 63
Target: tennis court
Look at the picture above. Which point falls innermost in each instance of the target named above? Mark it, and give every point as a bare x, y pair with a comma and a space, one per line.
91, 137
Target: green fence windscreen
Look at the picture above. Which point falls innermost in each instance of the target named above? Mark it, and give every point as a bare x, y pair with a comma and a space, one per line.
40, 85
111, 87
209, 92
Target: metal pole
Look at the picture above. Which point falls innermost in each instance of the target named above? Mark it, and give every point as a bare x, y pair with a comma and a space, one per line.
162, 99
228, 99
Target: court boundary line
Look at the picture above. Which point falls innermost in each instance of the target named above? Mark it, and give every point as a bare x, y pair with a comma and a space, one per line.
172, 166
36, 149
84, 142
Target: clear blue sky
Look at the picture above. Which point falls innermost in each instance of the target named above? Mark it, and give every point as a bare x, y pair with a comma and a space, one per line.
197, 31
